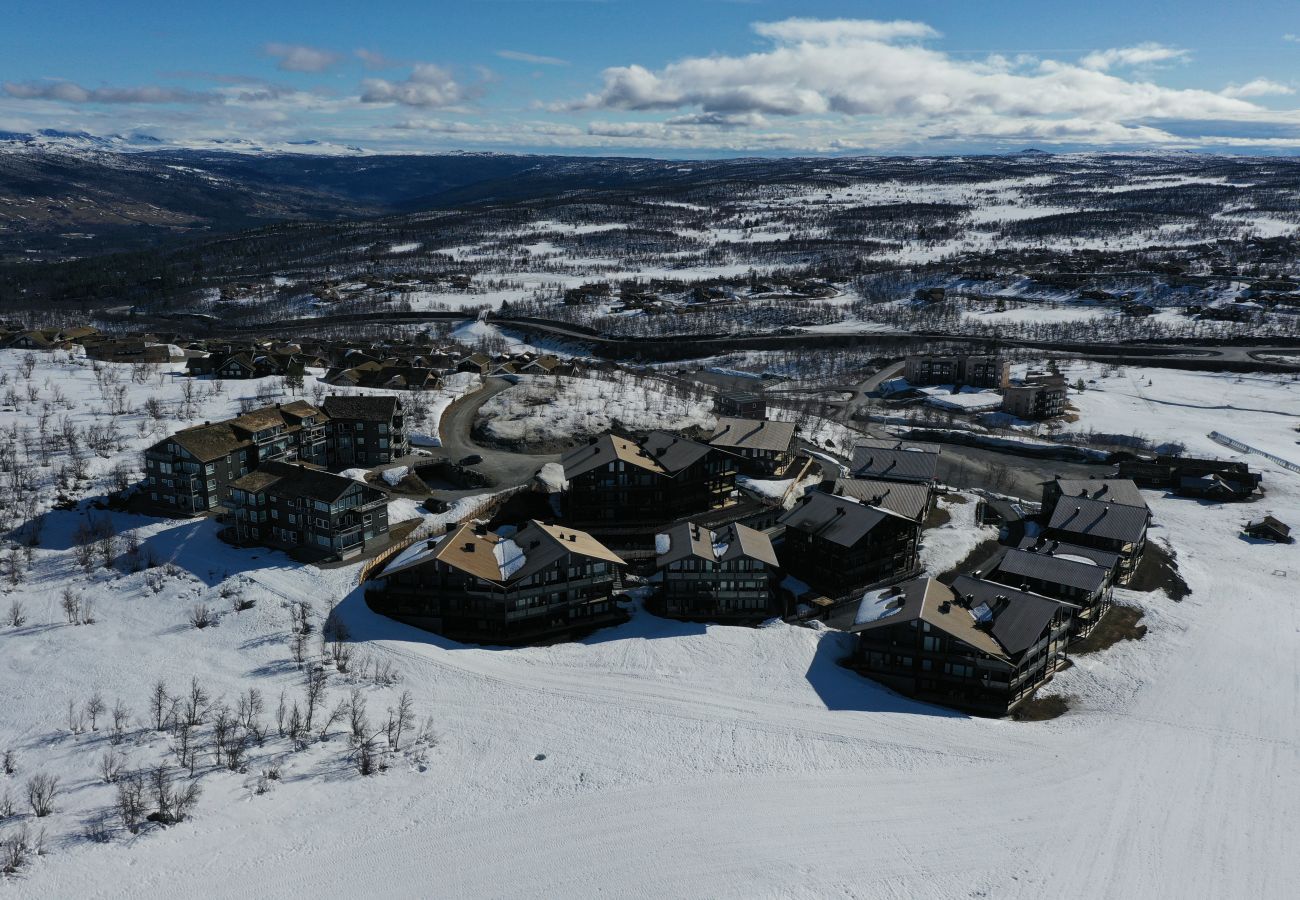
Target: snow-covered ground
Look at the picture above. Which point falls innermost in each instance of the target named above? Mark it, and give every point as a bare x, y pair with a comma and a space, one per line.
541, 408
663, 759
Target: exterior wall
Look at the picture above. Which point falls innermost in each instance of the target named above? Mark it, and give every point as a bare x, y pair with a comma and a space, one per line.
1129, 554
737, 589
177, 481
576, 592
888, 551
620, 493
344, 527
975, 371
917, 659
366, 443
1034, 401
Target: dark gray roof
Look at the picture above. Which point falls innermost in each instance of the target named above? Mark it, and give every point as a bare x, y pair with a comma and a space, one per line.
753, 434
672, 452
1051, 569
1112, 521
902, 465
298, 480
837, 519
1047, 546
368, 409
905, 498
1118, 490
1017, 618
731, 542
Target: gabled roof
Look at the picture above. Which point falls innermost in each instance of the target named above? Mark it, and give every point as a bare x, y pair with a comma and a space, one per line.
1049, 547
752, 434
839, 520
1071, 573
927, 600
377, 408
1116, 490
734, 541
210, 442
906, 498
673, 452
906, 465
606, 449
1269, 523
661, 453
1112, 521
503, 560
298, 480
1015, 619
259, 419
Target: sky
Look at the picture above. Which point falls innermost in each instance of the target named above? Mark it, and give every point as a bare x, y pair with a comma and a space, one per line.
664, 78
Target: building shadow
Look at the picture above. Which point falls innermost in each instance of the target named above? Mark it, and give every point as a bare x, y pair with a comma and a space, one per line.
843, 689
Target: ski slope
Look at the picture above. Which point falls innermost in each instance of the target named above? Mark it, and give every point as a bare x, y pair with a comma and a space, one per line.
684, 760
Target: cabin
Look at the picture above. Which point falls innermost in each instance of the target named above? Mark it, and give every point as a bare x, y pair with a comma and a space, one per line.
838, 545
725, 575
1041, 397
1269, 529
366, 431
1104, 525
762, 448
975, 646
305, 508
188, 473
1116, 490
912, 500
1049, 569
741, 404
616, 480
536, 583
973, 370
881, 460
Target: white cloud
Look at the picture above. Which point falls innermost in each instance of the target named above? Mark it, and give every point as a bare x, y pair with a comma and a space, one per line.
1147, 54
876, 69
1258, 87
520, 56
373, 59
428, 85
830, 31
300, 58
70, 92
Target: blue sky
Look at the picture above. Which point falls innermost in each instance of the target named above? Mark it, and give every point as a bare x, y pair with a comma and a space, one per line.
706, 77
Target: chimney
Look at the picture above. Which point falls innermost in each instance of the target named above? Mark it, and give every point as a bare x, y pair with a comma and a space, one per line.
945, 606
469, 546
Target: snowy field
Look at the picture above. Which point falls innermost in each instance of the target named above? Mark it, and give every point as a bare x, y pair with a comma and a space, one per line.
662, 759
542, 408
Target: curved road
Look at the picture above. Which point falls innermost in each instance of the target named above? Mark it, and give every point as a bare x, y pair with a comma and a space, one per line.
504, 467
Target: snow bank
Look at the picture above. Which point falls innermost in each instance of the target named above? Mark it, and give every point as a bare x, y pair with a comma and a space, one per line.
393, 477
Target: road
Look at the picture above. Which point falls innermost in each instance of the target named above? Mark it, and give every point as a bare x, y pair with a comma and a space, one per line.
504, 467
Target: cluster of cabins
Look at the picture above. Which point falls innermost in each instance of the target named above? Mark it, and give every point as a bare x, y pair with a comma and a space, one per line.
689, 513
986, 641
268, 471
1036, 397
412, 364
397, 365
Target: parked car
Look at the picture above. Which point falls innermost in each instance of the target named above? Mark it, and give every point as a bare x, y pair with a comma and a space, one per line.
472, 460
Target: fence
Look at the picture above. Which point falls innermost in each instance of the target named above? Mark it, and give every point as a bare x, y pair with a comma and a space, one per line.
1246, 448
